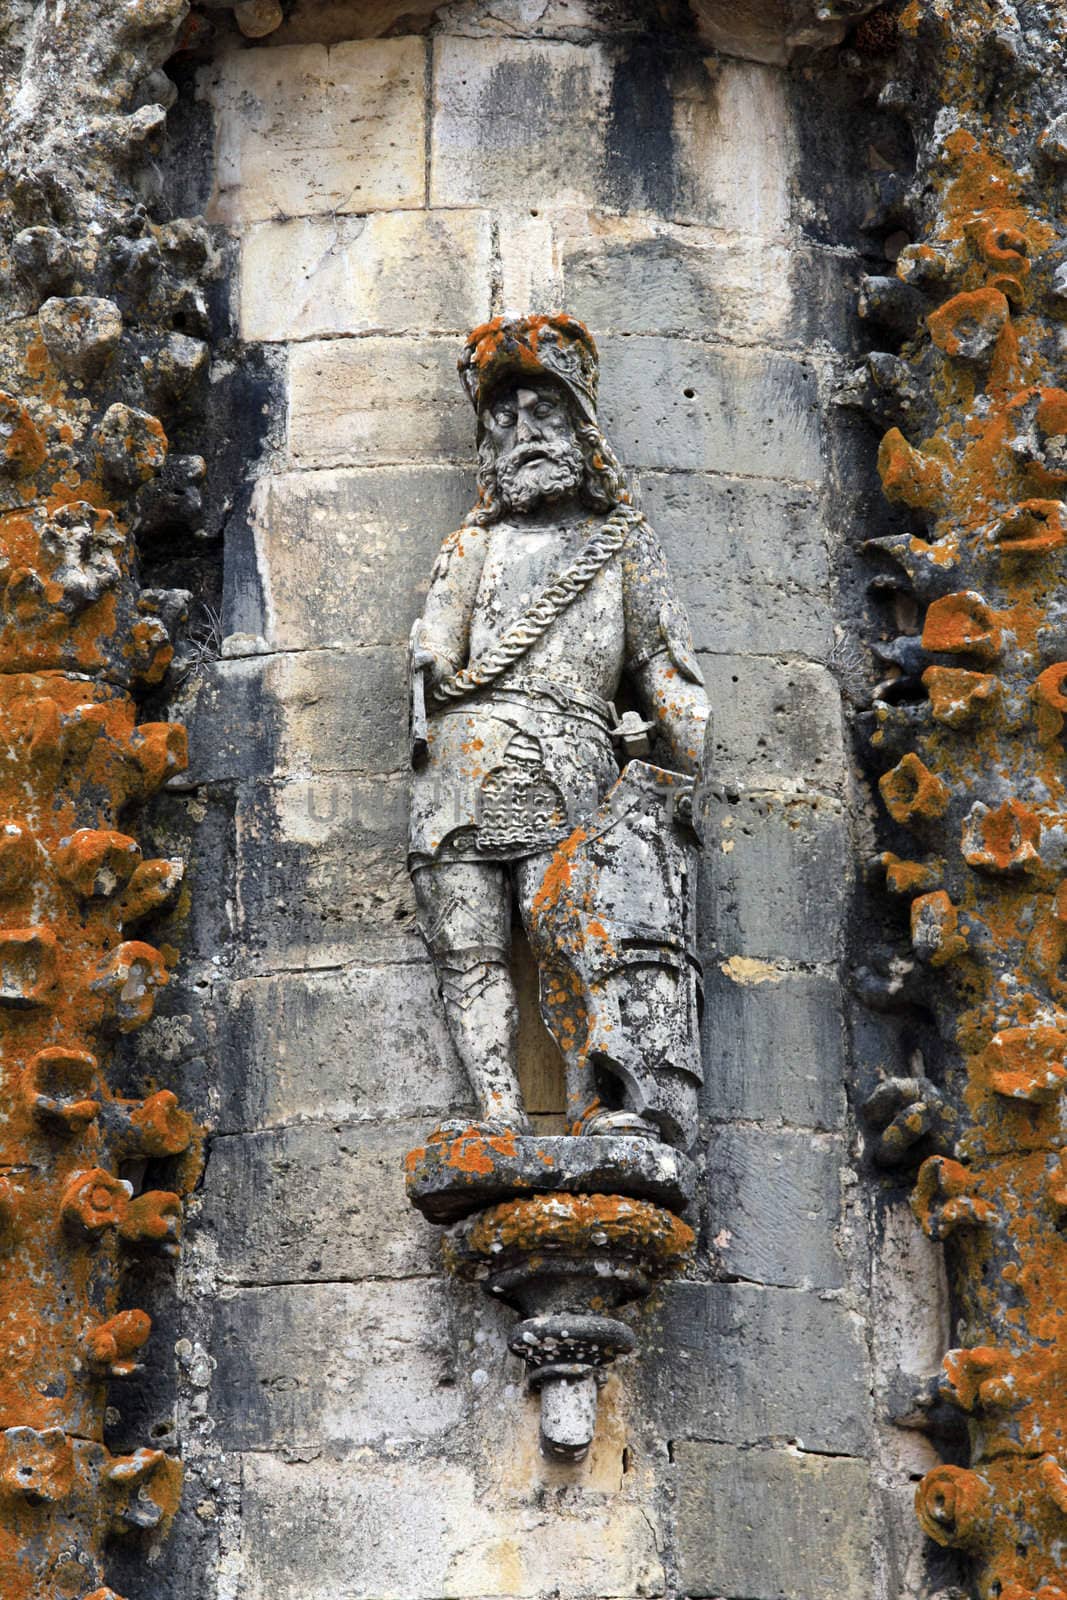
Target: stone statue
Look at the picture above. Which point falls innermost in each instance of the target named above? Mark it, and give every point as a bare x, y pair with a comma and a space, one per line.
548, 606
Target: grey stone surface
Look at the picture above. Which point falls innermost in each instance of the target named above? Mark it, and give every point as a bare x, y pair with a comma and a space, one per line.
312, 711
751, 557
637, 128
630, 276
750, 412
306, 129
315, 1203
321, 872
535, 110
347, 554
777, 725
301, 1366
745, 1365
774, 1201
365, 1042
774, 1045
771, 1524
779, 869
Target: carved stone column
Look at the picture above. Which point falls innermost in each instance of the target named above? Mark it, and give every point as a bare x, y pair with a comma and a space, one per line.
104, 353
968, 732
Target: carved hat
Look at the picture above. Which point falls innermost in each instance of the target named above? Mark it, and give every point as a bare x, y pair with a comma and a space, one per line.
556, 346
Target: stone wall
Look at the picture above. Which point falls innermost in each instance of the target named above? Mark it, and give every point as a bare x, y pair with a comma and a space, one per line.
352, 1423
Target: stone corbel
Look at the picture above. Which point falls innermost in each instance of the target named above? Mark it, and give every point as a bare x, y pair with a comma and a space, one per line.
566, 1231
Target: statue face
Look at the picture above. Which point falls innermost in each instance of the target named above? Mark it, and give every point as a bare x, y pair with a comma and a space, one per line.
537, 454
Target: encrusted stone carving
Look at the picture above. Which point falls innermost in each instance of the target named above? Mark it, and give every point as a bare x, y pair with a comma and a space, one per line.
967, 731
774, 30
90, 1179
530, 789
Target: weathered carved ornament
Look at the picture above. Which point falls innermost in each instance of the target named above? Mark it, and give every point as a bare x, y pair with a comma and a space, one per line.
95, 369
967, 732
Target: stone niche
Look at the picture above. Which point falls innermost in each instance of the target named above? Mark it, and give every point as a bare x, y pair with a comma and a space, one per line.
381, 196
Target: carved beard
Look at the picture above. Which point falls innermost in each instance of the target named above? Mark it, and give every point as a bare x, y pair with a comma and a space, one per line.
531, 473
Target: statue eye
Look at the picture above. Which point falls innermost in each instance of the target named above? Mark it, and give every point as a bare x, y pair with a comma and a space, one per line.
545, 408
505, 419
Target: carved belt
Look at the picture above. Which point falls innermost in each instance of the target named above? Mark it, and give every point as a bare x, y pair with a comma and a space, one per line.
565, 698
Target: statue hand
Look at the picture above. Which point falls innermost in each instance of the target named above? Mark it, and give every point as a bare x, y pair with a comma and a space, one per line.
423, 660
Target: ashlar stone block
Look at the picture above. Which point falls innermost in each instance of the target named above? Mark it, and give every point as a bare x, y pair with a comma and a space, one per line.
411, 1529
736, 151
307, 129
732, 1362
305, 1365
418, 272
772, 1524
359, 401
678, 403
751, 559
778, 868
307, 712
774, 1047
625, 126
346, 555
777, 725
774, 1206
366, 1042
636, 274
314, 1203
517, 119
321, 872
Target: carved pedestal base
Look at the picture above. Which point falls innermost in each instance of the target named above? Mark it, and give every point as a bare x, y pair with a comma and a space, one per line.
580, 1226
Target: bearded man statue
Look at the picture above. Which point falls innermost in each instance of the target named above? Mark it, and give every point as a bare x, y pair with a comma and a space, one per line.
548, 606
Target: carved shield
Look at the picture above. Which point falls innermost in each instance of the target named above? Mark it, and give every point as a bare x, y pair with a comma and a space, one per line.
613, 925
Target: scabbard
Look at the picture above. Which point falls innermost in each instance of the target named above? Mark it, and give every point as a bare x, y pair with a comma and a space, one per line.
419, 740
417, 701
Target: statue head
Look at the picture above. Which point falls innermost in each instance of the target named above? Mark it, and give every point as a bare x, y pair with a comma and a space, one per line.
533, 382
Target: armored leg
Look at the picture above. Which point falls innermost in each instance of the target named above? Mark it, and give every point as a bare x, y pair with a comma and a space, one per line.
465, 919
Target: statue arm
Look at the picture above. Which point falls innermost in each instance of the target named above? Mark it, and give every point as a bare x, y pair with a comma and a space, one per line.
677, 706
443, 637
660, 657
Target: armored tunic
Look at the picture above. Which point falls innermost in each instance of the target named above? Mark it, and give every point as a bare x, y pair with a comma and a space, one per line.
512, 769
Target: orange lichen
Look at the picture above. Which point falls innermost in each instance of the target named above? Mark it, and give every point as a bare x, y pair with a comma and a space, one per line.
1004, 839
970, 323
911, 877
1050, 696
987, 475
912, 791
73, 643
961, 624
952, 1505
935, 928
956, 694
585, 1223
909, 475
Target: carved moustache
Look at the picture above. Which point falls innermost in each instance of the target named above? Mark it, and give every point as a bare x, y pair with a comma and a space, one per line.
539, 470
